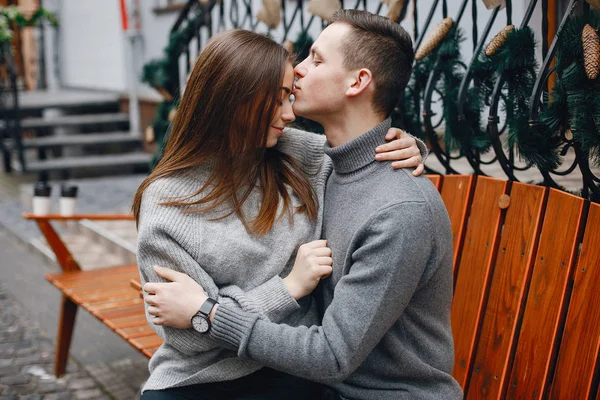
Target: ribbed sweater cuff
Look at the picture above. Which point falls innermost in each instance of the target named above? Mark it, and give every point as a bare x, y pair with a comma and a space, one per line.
232, 327
274, 299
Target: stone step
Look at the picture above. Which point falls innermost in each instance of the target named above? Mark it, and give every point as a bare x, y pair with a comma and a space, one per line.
83, 139
72, 120
38, 100
90, 161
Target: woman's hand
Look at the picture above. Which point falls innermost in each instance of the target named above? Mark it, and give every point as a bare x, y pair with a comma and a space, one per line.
173, 303
313, 262
403, 151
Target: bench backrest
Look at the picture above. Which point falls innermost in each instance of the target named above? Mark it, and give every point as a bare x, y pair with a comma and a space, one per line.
526, 310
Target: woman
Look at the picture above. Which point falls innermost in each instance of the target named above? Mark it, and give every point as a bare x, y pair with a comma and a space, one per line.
229, 208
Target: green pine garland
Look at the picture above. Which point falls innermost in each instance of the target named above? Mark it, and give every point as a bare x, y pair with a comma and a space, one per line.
515, 59
11, 15
159, 74
466, 135
161, 125
575, 100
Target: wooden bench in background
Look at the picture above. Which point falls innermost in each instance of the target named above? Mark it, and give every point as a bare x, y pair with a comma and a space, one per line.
526, 310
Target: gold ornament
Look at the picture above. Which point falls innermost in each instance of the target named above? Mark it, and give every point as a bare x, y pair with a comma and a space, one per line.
498, 41
270, 13
149, 136
394, 8
591, 51
434, 38
172, 114
595, 4
324, 9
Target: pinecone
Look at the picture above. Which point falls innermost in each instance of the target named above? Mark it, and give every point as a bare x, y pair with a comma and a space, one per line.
289, 46
395, 7
591, 51
149, 136
434, 38
498, 40
172, 114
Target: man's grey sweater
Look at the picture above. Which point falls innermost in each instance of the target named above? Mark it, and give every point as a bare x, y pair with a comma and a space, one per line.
386, 330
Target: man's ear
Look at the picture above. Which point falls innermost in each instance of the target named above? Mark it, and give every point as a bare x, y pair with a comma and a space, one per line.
361, 81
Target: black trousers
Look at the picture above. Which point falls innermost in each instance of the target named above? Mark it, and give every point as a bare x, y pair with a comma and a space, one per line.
265, 384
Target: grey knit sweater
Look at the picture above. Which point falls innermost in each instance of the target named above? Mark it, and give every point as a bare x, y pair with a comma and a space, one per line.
385, 332
240, 270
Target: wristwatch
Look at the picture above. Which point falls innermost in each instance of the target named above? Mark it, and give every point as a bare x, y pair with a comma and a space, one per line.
200, 320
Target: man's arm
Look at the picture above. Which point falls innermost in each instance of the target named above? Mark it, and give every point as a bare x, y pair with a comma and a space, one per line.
307, 149
388, 267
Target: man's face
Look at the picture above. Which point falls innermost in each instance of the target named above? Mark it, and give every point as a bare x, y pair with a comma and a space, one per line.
320, 90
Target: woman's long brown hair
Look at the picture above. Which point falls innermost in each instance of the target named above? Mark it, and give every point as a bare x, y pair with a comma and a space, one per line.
223, 120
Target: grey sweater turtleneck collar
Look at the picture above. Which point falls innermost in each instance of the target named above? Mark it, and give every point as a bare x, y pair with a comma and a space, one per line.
359, 152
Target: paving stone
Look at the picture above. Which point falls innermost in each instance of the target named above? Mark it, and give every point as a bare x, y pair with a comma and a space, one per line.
58, 396
87, 394
50, 387
33, 359
85, 383
8, 371
25, 352
20, 389
15, 380
6, 362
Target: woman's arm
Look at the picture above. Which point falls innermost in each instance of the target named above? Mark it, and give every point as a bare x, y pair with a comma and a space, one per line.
163, 239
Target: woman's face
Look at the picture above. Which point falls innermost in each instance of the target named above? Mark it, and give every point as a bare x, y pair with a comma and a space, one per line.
283, 111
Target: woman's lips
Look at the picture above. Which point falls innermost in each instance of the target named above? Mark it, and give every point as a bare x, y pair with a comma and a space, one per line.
280, 130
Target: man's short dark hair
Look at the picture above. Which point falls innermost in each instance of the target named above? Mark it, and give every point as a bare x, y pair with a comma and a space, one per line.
382, 46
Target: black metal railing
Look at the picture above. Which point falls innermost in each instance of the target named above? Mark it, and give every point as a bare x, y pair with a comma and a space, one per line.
443, 114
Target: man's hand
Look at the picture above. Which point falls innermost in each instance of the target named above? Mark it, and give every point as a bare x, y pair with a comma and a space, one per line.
173, 303
402, 150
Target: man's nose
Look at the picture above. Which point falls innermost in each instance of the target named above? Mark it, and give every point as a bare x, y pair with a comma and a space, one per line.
300, 70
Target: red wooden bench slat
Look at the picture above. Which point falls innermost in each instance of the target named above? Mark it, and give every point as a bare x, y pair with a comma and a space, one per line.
146, 342
456, 193
513, 263
99, 294
136, 331
92, 282
436, 180
125, 322
149, 352
67, 276
578, 353
474, 274
546, 299
118, 313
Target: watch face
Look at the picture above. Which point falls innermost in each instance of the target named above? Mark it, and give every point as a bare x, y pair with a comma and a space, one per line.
200, 324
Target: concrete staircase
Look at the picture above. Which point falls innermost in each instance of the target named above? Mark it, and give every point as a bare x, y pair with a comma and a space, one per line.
72, 130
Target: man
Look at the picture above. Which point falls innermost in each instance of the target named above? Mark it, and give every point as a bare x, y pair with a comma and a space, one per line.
385, 332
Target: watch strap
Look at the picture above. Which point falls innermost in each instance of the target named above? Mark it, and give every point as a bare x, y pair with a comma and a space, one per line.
207, 307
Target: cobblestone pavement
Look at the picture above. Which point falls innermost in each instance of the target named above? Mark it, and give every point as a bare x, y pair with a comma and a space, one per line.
26, 362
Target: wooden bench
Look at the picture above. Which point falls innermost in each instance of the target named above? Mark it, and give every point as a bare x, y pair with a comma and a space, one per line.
526, 310
108, 294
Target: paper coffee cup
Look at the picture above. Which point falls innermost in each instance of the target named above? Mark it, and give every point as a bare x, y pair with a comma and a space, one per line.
66, 203
41, 198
